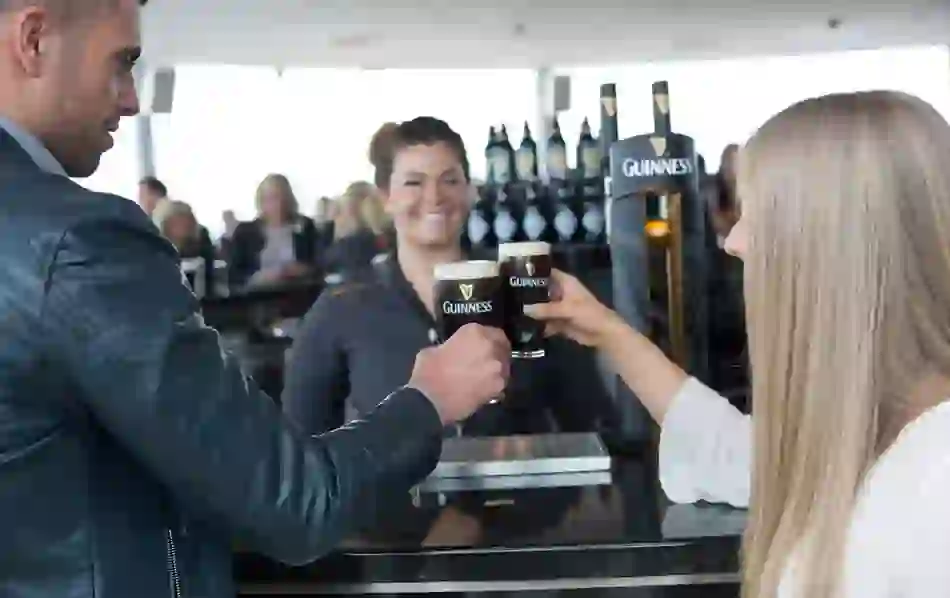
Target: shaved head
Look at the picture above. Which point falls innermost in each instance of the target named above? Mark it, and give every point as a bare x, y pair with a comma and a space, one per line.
66, 73
65, 9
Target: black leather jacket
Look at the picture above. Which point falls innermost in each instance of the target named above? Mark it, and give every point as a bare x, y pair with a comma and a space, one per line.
133, 452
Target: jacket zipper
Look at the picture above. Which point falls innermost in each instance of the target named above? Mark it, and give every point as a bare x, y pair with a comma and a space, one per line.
172, 558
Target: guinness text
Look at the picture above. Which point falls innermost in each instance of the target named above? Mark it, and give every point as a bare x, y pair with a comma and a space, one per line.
475, 307
527, 283
657, 167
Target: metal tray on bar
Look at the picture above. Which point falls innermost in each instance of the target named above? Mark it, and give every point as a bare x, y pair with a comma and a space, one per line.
542, 455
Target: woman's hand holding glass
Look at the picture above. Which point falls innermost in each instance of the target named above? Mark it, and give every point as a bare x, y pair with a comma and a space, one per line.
574, 312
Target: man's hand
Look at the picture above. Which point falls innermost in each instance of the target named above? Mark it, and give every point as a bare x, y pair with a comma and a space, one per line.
465, 372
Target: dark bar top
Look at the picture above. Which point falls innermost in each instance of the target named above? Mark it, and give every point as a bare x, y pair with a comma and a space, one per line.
622, 535
255, 308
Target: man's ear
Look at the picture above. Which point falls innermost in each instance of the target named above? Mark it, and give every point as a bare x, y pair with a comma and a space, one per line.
30, 38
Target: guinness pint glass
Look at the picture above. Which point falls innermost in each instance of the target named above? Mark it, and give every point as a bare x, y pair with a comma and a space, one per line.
526, 274
468, 293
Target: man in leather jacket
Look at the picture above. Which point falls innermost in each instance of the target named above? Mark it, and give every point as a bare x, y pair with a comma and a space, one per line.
133, 452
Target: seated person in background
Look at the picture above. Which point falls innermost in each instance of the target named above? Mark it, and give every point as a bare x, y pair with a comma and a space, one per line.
279, 246
152, 195
362, 336
845, 235
723, 207
360, 229
177, 223
729, 363
323, 218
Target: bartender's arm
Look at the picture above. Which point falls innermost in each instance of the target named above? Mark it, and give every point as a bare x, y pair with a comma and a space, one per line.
706, 444
117, 315
317, 379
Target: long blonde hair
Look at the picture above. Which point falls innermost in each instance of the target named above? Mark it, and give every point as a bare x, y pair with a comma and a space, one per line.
846, 199
284, 188
171, 210
360, 208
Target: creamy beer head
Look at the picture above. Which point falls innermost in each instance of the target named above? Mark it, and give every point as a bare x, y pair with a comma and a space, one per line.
526, 274
466, 270
465, 293
526, 249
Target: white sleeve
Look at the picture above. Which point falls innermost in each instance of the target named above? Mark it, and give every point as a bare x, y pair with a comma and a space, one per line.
705, 448
923, 520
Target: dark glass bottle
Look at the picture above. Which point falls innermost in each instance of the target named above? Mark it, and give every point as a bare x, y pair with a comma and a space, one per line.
489, 155
556, 155
534, 222
526, 158
505, 224
588, 154
480, 221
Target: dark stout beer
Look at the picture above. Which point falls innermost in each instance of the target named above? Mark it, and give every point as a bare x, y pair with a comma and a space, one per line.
467, 293
526, 272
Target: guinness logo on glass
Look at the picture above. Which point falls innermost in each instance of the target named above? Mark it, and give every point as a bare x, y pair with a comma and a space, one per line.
662, 102
529, 267
659, 145
467, 290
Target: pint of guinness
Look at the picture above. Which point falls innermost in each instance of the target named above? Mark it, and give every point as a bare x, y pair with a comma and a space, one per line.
468, 293
526, 274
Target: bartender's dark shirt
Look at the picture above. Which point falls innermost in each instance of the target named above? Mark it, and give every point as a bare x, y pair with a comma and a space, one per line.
360, 340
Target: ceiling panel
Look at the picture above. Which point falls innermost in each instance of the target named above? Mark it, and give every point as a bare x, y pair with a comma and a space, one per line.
518, 33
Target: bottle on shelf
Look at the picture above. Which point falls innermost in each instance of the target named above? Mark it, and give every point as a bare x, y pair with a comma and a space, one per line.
509, 154
489, 155
505, 224
498, 159
592, 229
478, 230
556, 155
526, 158
534, 222
565, 219
588, 154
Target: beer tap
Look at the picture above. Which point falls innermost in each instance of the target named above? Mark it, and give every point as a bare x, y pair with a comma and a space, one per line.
657, 238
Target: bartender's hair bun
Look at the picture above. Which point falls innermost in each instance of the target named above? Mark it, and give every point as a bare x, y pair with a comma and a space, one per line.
422, 130
382, 145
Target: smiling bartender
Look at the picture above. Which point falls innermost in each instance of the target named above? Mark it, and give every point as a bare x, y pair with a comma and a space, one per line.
361, 337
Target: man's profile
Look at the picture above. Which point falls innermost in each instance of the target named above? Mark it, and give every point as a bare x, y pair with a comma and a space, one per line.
133, 451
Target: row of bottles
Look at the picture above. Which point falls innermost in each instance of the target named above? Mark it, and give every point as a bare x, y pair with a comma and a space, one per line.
508, 165
567, 213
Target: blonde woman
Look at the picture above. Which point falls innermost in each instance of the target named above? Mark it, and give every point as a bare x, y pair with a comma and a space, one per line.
177, 223
845, 234
277, 247
360, 229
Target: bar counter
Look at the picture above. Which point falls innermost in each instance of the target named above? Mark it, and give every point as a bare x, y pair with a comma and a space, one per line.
591, 539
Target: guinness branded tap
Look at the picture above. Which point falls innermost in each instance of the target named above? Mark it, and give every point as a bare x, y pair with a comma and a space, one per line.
608, 121
467, 293
608, 136
658, 250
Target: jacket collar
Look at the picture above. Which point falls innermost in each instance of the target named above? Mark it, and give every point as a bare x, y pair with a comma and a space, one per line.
32, 146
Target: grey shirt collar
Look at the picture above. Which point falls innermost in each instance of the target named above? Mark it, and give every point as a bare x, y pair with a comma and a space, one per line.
33, 147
